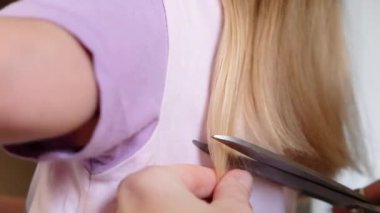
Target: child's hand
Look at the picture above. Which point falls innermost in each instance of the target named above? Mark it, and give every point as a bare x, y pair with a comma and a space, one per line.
183, 189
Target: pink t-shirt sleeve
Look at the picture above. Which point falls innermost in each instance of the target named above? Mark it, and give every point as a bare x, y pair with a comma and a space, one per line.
128, 42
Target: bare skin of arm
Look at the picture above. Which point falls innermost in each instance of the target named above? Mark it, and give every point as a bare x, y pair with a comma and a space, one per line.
47, 85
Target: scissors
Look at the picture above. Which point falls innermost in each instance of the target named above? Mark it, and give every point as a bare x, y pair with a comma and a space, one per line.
266, 164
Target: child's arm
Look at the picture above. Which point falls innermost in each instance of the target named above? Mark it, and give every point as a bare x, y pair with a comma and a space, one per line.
47, 87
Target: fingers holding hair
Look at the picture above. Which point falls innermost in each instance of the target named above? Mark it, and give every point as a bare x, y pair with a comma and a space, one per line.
234, 192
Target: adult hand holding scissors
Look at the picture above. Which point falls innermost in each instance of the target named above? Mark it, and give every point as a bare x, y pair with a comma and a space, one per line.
183, 189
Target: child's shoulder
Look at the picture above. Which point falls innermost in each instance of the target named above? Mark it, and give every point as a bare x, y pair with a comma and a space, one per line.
128, 44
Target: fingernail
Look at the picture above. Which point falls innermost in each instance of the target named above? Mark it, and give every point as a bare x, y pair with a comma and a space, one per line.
244, 178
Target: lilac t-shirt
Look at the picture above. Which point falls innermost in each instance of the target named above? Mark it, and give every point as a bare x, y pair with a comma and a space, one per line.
128, 42
153, 61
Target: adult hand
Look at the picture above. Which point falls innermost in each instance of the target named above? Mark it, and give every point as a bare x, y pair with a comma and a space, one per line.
372, 192
184, 188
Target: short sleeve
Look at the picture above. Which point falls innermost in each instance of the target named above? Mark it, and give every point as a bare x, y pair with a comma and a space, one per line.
129, 46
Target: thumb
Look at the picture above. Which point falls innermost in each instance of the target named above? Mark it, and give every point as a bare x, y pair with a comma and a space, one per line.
233, 192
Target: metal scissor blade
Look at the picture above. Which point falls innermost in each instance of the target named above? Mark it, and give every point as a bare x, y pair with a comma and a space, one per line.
306, 187
202, 146
257, 153
337, 198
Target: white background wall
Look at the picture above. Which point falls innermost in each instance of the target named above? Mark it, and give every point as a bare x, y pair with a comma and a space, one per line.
362, 19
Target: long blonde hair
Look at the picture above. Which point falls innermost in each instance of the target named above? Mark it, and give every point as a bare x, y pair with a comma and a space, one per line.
281, 81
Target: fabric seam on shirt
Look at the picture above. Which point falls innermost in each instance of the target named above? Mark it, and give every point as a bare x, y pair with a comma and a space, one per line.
127, 158
156, 119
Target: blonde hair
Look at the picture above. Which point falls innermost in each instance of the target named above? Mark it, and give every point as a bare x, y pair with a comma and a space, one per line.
281, 81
